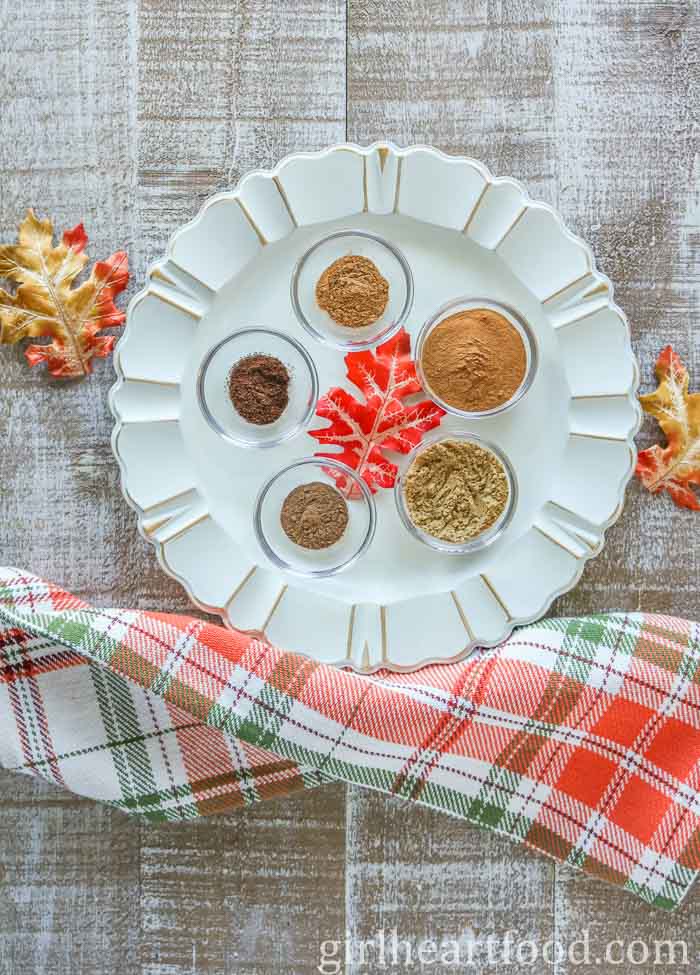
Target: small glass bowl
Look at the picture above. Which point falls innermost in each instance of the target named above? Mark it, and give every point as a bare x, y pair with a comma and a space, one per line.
473, 544
317, 563
391, 263
216, 405
515, 319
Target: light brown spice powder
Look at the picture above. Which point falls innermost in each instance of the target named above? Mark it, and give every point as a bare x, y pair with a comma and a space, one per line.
455, 490
353, 291
474, 360
314, 515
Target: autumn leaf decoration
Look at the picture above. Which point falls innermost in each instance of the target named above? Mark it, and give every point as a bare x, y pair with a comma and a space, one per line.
675, 467
385, 421
46, 304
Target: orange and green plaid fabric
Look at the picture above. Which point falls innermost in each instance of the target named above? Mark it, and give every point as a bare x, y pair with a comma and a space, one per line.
577, 737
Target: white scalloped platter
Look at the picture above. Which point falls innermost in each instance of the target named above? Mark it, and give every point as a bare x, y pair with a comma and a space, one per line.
463, 232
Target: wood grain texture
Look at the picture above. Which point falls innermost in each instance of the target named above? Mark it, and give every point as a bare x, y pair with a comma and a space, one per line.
582, 904
234, 894
68, 149
69, 874
70, 868
628, 182
430, 877
127, 114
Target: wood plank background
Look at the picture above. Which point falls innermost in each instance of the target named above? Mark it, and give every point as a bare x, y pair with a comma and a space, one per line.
127, 114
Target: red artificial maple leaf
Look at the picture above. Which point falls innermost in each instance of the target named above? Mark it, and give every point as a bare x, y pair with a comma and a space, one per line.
46, 302
675, 467
384, 421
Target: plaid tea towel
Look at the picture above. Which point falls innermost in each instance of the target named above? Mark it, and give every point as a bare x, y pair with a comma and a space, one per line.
577, 737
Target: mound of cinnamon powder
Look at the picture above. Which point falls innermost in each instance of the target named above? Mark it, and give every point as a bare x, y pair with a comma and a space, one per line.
474, 360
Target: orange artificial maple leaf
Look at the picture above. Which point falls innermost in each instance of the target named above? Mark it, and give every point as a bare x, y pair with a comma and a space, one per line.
363, 431
45, 303
675, 467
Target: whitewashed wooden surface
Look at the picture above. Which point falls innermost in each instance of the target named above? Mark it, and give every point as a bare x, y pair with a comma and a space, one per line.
127, 114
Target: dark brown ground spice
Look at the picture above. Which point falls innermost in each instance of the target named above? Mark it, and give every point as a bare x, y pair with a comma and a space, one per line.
314, 515
259, 388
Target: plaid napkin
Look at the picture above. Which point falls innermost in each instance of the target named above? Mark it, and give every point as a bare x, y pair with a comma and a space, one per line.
577, 737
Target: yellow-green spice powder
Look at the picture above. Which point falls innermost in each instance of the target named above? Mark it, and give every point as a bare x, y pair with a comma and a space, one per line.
456, 490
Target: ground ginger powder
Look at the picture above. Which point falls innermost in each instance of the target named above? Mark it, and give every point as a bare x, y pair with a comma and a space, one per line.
353, 291
455, 490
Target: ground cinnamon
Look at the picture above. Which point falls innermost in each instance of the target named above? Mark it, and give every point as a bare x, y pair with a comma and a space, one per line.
353, 291
474, 360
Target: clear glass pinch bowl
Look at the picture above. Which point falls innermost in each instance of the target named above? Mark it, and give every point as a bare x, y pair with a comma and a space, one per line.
391, 263
487, 537
213, 395
516, 320
317, 563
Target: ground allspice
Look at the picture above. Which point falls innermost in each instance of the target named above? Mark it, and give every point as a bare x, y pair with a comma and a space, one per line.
258, 386
455, 490
353, 291
474, 360
314, 515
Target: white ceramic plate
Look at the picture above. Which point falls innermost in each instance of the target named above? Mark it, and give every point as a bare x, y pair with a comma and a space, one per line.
464, 232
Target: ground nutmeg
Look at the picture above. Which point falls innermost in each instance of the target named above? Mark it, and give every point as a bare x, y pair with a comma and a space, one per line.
314, 515
353, 291
474, 360
258, 386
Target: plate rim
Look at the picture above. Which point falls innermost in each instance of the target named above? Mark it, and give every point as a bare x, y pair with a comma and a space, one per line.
511, 623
